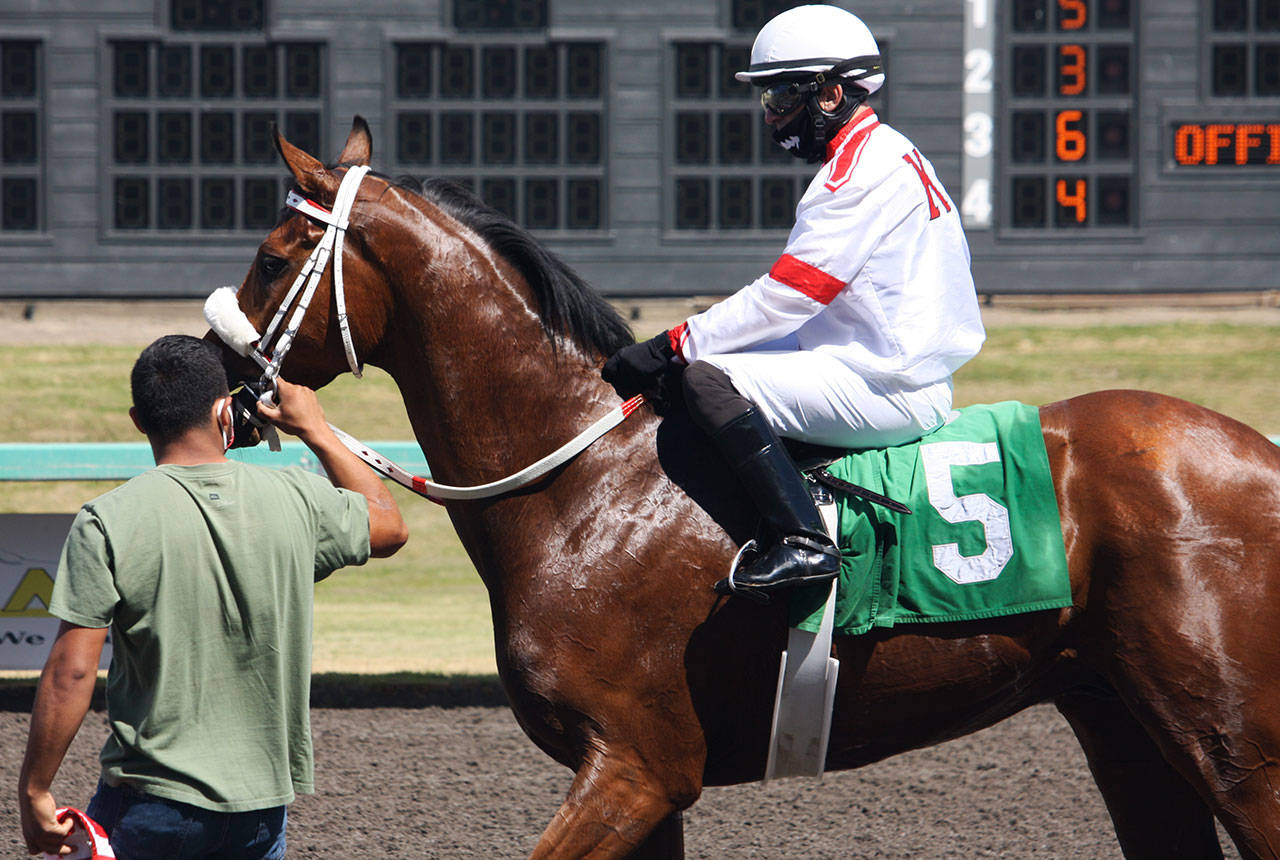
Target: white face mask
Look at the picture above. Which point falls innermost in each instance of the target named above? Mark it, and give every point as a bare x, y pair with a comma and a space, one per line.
229, 428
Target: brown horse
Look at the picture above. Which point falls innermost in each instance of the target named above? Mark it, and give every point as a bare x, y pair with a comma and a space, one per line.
622, 664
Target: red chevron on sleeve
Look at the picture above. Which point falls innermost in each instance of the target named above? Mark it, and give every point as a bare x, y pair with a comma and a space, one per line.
810, 280
678, 337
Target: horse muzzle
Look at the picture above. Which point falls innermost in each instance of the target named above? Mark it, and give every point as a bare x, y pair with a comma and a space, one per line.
249, 429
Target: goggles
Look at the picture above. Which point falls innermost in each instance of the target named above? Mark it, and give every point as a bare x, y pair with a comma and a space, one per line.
782, 99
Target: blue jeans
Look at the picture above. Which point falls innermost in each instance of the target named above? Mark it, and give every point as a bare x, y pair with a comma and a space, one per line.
143, 827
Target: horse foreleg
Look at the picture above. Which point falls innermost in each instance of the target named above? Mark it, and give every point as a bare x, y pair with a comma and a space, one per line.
665, 842
1156, 813
615, 808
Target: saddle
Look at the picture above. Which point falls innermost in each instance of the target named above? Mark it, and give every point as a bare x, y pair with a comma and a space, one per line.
813, 459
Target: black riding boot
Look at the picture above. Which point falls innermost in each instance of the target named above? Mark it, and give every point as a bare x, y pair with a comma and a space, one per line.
804, 554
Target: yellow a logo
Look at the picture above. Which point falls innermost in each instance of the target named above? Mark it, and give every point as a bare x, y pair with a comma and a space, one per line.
36, 584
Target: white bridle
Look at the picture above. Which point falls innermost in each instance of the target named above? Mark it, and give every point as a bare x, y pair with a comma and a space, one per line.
222, 312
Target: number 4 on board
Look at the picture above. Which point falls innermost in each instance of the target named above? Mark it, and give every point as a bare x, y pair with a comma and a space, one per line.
1073, 199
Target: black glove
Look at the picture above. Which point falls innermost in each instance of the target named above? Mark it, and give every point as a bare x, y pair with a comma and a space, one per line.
636, 369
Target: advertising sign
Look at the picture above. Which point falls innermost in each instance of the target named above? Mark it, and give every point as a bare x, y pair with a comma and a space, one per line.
29, 548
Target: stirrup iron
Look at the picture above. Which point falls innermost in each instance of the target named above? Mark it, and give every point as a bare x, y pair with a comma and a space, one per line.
727, 585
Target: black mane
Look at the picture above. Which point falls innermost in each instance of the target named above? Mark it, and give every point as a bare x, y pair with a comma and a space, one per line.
567, 305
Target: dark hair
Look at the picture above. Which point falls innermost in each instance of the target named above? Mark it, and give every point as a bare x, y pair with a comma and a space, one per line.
567, 306
174, 382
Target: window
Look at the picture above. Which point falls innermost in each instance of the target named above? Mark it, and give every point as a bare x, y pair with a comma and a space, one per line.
520, 122
727, 173
21, 132
227, 15
753, 14
191, 145
1244, 48
190, 117
500, 14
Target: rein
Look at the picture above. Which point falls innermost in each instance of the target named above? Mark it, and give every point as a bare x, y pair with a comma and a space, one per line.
439, 492
222, 312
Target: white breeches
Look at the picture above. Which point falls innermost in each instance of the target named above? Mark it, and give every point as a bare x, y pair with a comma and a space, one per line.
816, 397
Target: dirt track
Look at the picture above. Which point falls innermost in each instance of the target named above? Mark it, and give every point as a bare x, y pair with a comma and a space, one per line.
462, 781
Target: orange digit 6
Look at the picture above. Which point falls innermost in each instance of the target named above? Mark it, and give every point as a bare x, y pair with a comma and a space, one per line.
1075, 13
1069, 143
1073, 75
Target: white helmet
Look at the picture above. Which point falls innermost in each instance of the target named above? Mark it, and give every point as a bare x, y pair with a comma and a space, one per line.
814, 39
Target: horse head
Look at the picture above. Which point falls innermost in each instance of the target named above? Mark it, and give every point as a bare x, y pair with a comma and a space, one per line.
288, 256
465, 310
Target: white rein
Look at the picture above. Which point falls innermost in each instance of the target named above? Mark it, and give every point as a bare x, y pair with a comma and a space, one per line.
222, 312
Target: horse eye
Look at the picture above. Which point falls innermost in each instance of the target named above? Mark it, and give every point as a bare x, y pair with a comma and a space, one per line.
272, 267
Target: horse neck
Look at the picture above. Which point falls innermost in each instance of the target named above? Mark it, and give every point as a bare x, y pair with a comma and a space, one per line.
485, 389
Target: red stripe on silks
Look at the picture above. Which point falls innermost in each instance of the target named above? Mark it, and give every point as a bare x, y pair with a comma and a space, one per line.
810, 280
847, 158
677, 337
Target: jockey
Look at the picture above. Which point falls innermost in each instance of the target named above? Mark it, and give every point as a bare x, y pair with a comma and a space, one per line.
851, 338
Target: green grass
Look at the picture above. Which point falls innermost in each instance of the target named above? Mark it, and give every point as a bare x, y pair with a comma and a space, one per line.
81, 394
422, 610
426, 611
1227, 367
66, 394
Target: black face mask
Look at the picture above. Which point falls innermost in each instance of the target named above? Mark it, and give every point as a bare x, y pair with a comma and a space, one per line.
798, 138
806, 135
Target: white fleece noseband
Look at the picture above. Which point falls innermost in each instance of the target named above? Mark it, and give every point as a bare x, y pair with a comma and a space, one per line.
222, 313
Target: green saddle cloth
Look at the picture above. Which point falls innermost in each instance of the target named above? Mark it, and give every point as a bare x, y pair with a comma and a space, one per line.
983, 539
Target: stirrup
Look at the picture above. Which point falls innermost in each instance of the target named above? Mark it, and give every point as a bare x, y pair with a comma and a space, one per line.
729, 586
761, 592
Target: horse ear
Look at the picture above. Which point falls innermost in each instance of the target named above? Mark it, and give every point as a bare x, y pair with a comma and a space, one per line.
310, 174
359, 146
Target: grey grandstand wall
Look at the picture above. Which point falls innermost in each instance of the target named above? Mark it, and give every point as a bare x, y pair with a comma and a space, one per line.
1093, 145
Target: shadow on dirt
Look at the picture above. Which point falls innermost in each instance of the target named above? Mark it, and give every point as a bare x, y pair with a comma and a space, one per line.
333, 690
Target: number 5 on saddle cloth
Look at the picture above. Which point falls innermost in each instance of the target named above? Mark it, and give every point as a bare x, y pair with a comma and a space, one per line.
985, 540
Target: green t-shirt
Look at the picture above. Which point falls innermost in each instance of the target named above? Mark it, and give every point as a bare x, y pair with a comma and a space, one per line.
205, 575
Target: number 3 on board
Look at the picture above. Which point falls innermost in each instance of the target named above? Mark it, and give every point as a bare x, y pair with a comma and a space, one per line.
938, 459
